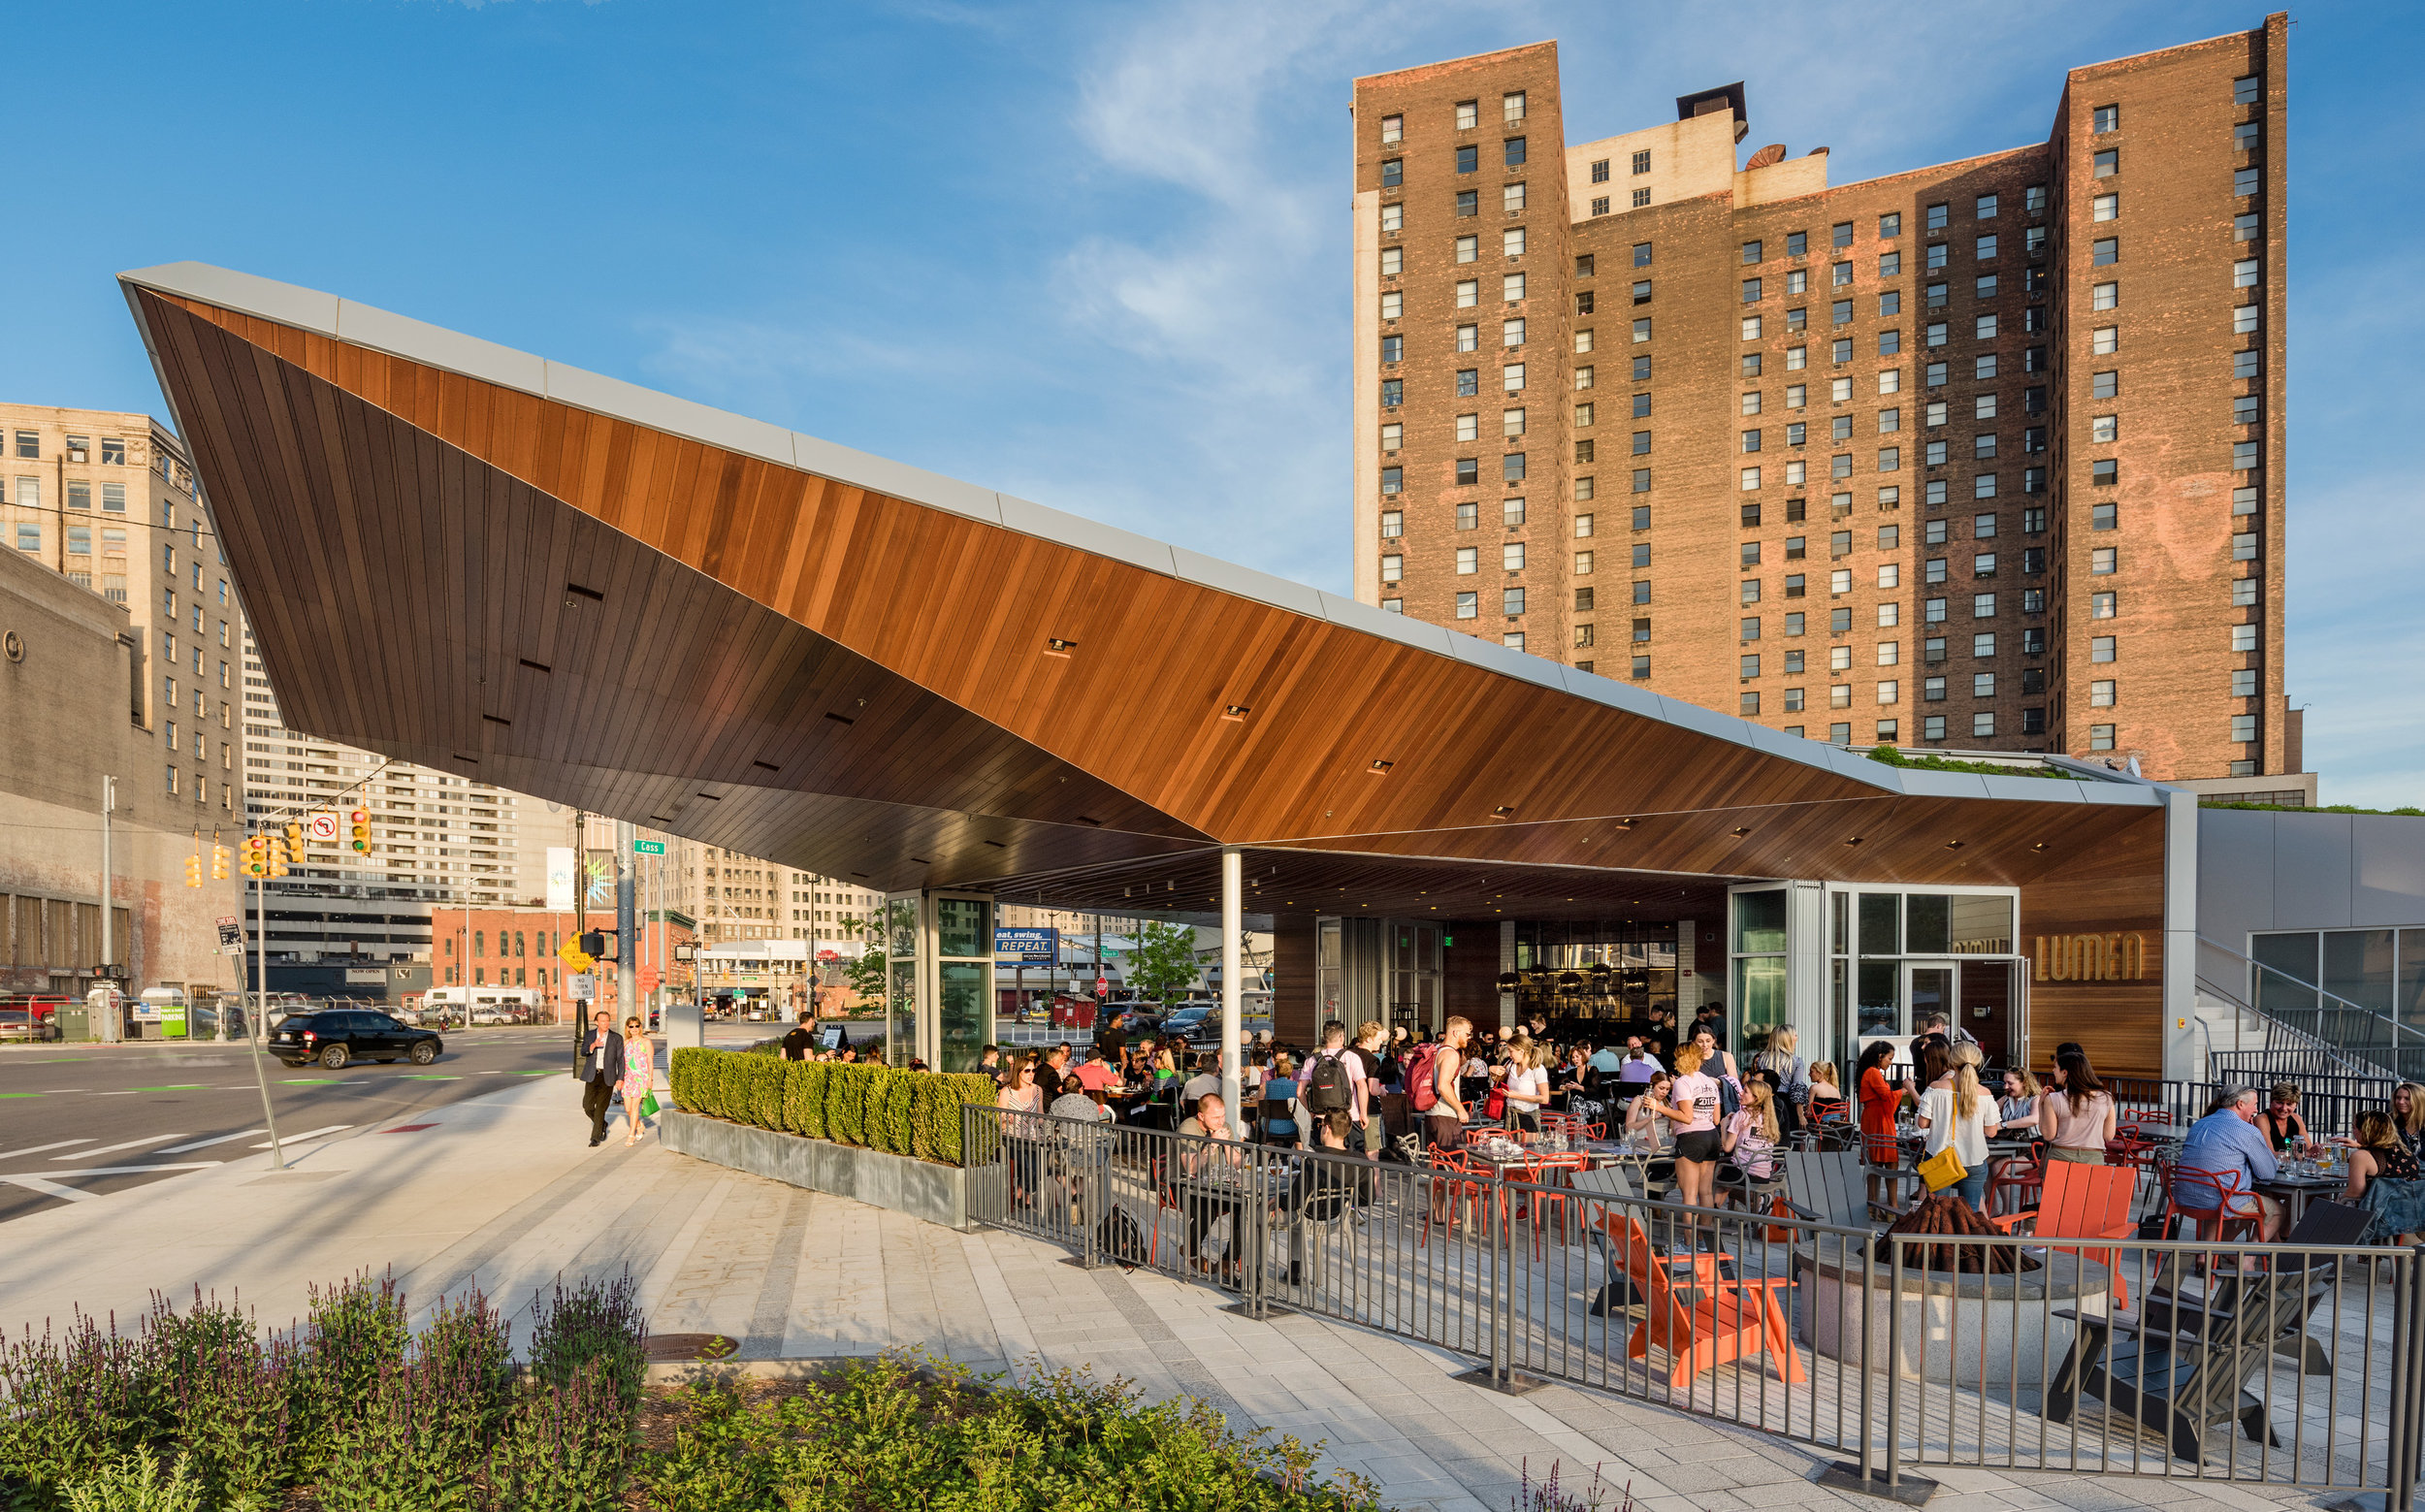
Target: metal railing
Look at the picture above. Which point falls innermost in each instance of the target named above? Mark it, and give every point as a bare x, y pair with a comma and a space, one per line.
2328, 1100
2182, 1358
2308, 1021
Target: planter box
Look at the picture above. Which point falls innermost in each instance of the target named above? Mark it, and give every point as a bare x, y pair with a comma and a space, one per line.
922, 1189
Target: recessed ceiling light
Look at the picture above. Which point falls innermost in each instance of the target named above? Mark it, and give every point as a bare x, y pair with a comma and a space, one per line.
1855, 840
1741, 833
1235, 711
1953, 844
1503, 811
1058, 647
1380, 768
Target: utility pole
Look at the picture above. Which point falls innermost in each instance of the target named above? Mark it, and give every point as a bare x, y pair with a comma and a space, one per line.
110, 1026
627, 938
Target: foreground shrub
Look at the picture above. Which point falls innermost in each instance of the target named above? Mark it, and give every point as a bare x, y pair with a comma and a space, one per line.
595, 1322
935, 1113
568, 1448
197, 1409
907, 1431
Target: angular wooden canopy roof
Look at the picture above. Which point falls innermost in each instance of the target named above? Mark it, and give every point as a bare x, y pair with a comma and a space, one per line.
496, 566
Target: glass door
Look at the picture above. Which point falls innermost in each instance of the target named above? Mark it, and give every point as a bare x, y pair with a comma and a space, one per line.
1927, 989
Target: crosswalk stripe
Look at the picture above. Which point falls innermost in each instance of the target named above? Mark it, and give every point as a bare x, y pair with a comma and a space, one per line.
297, 1138
36, 1150
49, 1188
112, 1150
133, 1171
217, 1138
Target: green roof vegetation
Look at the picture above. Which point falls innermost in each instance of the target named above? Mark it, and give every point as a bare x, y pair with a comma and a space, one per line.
2300, 808
1936, 763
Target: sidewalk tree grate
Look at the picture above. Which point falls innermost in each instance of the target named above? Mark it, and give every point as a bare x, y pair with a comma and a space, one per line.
678, 1347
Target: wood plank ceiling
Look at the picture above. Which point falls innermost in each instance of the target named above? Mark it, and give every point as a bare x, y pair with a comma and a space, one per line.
581, 607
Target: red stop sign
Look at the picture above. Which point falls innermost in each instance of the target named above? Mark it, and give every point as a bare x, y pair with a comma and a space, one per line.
1102, 987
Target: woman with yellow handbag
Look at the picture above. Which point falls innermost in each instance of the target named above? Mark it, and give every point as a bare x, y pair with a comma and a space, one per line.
1958, 1116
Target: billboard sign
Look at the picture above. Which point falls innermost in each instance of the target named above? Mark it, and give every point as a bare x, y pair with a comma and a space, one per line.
1031, 945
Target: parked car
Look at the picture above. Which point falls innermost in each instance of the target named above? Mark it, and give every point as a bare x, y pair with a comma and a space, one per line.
332, 1037
25, 1023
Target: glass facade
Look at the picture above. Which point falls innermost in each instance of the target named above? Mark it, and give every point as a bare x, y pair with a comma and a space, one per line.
1892, 957
2382, 971
1583, 970
900, 996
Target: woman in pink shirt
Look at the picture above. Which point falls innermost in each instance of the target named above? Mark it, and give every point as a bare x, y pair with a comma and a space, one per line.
1695, 1114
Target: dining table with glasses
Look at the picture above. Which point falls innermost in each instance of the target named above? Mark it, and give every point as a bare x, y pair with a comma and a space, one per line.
2301, 1179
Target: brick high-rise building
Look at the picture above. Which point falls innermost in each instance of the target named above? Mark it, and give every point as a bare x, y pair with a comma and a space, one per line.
1986, 455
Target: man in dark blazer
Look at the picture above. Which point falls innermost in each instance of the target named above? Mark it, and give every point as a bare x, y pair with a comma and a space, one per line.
599, 1063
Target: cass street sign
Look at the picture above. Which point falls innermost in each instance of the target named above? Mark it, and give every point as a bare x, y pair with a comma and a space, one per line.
648, 847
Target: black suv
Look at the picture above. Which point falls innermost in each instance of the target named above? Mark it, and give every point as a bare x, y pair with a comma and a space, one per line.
334, 1036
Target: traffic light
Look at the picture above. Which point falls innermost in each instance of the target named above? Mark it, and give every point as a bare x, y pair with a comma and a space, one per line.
295, 840
218, 860
256, 855
594, 943
361, 821
278, 856
193, 865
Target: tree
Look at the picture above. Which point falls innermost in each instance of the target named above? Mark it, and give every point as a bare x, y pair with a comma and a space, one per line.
1164, 957
866, 978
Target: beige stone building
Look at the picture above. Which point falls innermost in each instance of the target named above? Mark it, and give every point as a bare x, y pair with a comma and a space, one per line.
106, 498
71, 675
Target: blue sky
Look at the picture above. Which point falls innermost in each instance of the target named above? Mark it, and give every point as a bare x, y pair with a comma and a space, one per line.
1097, 254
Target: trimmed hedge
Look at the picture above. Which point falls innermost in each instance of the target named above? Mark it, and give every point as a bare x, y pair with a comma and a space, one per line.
804, 1097
846, 1103
902, 1113
935, 1114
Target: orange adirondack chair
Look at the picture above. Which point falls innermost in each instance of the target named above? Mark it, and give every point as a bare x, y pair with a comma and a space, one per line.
1706, 1321
2082, 1203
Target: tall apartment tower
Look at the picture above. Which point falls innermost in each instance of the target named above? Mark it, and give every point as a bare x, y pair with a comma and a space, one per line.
1980, 456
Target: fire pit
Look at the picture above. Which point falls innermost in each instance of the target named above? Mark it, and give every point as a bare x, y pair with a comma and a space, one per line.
1942, 1214
1957, 1323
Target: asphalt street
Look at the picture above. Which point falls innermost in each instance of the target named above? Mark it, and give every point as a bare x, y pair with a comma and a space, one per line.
85, 1123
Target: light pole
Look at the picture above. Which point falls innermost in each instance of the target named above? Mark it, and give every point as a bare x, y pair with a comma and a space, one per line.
109, 925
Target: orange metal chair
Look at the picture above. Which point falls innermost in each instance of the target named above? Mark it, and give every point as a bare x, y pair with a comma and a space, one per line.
1451, 1192
1705, 1322
1541, 1173
2082, 1203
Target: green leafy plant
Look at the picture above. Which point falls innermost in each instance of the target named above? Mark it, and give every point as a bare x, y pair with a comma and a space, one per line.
889, 1096
134, 1484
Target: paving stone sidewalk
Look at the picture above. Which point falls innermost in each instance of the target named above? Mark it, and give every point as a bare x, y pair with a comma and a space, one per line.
501, 1191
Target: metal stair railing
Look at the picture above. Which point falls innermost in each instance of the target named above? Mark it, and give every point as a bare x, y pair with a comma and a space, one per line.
2347, 1036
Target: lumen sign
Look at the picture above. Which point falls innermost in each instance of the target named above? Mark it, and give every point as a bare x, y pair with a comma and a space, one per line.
2107, 957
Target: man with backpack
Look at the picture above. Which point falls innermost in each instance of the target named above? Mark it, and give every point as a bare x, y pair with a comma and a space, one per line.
1333, 1079
1431, 1084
